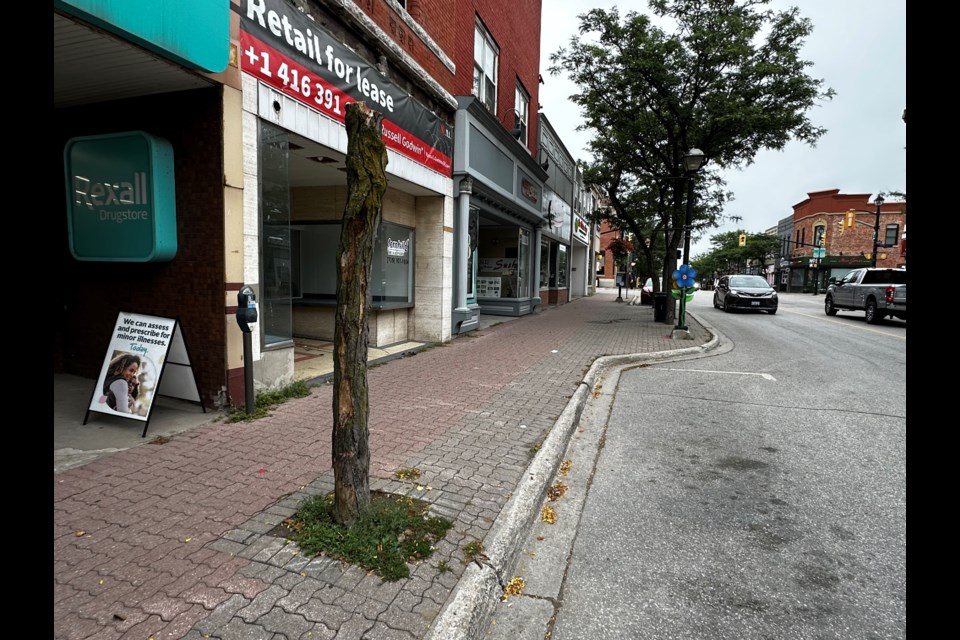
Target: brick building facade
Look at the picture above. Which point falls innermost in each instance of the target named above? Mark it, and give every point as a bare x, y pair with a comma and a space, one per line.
819, 223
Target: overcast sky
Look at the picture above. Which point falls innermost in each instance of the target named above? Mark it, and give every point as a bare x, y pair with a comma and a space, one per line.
858, 47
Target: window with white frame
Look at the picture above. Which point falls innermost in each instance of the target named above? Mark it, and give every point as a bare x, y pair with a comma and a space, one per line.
522, 106
891, 235
485, 68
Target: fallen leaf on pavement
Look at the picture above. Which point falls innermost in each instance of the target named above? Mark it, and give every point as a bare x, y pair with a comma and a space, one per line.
513, 588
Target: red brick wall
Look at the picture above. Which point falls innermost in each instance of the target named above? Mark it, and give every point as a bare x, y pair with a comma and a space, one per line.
515, 27
555, 296
606, 235
89, 295
436, 17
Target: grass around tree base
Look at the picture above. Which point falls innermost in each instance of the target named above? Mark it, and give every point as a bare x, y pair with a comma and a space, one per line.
395, 530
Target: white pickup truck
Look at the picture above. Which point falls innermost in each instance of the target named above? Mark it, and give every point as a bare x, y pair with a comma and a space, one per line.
878, 292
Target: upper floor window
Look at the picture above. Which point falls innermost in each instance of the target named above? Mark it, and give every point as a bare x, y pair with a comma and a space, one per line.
485, 55
818, 235
522, 106
892, 235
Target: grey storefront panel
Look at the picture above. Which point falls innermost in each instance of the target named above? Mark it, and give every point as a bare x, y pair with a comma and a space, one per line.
487, 160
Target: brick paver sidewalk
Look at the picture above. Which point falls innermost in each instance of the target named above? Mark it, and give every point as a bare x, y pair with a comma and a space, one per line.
171, 541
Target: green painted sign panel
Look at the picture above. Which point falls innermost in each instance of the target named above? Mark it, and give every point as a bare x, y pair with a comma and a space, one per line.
121, 198
195, 33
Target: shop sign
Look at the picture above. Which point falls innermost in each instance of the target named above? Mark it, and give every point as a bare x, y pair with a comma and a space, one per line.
498, 264
397, 247
285, 49
581, 229
528, 190
120, 198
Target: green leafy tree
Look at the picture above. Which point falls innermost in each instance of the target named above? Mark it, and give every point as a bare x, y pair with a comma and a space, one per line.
727, 256
728, 80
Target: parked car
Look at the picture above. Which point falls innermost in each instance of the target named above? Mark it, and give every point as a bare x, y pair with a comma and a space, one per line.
646, 293
745, 292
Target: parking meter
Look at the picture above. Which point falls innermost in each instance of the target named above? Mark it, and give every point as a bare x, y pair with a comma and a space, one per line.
246, 309
246, 316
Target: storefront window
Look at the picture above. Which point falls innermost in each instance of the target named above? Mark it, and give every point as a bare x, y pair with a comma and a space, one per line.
391, 279
391, 274
276, 309
523, 280
562, 266
544, 263
499, 266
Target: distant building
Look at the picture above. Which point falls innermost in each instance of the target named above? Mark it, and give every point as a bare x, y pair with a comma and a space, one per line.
816, 244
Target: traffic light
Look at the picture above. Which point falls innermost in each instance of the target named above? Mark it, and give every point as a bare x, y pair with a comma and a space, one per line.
743, 239
851, 218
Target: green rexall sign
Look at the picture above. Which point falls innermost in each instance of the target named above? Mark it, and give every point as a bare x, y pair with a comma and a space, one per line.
121, 198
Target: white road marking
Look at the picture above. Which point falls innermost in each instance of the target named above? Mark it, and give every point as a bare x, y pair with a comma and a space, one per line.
765, 376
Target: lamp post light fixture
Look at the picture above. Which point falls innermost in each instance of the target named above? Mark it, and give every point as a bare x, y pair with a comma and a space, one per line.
876, 231
691, 163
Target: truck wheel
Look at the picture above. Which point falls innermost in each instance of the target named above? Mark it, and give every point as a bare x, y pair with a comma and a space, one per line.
828, 307
870, 312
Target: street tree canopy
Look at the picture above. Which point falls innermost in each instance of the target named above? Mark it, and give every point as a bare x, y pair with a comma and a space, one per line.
726, 256
728, 80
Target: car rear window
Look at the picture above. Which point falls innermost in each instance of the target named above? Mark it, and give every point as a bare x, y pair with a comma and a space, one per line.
749, 281
885, 276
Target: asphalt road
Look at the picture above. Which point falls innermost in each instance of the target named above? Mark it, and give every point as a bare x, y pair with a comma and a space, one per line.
757, 492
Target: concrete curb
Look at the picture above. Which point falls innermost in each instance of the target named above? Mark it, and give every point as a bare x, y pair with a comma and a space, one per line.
473, 601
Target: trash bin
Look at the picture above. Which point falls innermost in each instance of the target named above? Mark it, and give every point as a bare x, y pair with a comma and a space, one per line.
660, 307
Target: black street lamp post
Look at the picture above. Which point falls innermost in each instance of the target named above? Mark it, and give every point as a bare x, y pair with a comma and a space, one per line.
691, 162
876, 231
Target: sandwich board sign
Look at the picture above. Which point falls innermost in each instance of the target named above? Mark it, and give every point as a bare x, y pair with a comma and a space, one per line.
146, 358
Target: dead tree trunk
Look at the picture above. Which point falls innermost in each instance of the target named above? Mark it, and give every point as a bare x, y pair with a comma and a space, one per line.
366, 183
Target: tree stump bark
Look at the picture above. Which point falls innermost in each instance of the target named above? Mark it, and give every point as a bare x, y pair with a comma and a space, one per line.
366, 183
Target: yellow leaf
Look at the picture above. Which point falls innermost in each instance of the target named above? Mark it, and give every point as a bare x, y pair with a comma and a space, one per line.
101, 582
513, 588
419, 487
188, 539
79, 534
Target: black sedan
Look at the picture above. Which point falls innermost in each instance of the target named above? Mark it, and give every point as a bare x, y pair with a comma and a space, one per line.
745, 292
